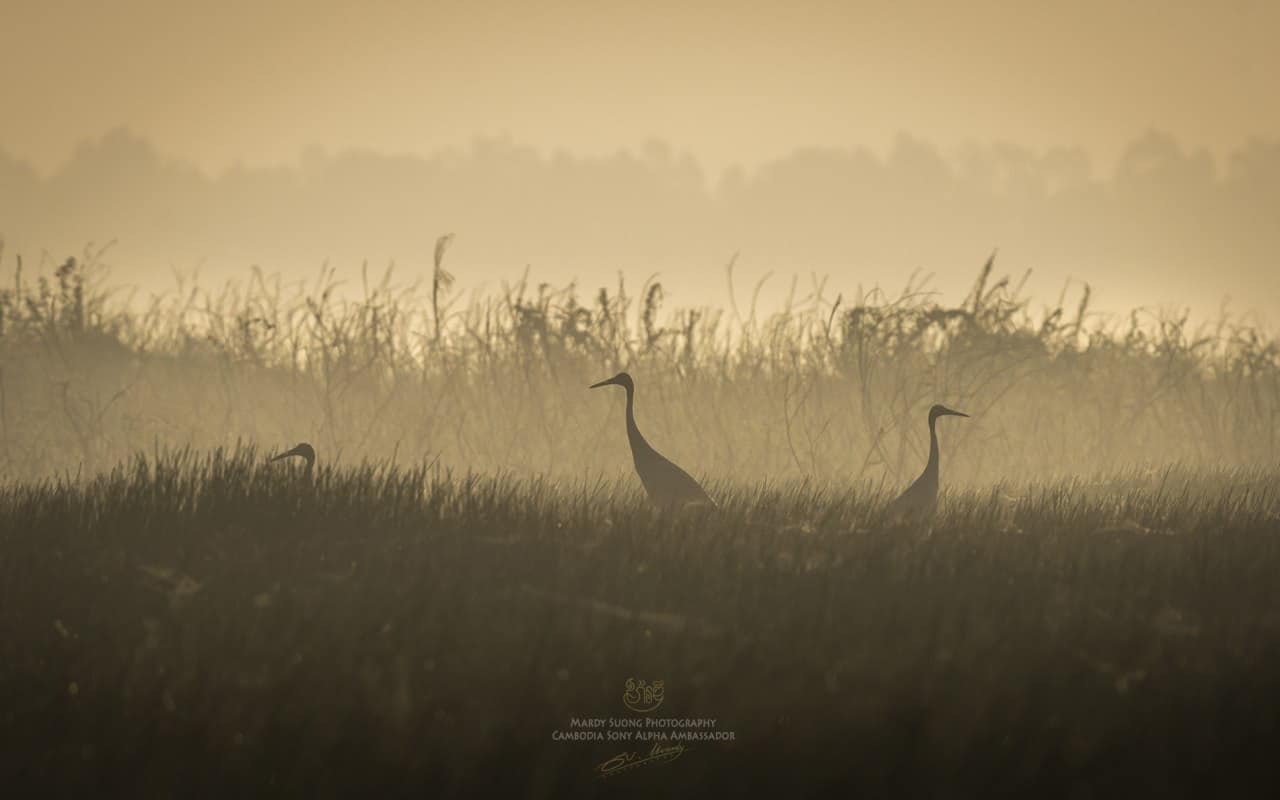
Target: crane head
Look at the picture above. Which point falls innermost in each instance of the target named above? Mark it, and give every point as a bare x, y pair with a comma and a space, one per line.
943, 411
306, 451
621, 379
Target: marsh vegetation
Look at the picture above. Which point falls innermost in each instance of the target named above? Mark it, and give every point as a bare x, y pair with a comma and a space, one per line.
471, 563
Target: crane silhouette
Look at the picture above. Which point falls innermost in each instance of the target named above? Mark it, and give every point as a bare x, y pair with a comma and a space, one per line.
305, 451
669, 487
921, 497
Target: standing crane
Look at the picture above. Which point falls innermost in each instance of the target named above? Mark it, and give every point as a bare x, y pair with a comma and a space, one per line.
921, 497
669, 487
305, 451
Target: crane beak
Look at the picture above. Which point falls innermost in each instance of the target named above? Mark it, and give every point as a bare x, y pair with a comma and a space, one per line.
958, 414
609, 382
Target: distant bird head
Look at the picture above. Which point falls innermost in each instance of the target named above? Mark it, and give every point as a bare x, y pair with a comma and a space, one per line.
306, 451
621, 379
943, 411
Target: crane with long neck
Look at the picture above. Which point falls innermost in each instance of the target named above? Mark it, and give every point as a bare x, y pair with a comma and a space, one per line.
921, 497
669, 487
304, 451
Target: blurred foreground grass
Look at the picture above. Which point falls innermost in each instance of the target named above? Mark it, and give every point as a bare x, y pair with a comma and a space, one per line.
207, 624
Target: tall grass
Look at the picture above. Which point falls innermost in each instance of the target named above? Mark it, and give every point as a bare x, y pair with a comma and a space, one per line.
208, 623
830, 387
471, 563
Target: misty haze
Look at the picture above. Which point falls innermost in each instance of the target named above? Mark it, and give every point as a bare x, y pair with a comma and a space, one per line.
804, 400
1167, 228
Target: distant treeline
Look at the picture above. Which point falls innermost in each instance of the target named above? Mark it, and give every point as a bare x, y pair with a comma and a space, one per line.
1166, 225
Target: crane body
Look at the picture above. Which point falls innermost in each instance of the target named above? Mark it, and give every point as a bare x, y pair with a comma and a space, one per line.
668, 486
921, 497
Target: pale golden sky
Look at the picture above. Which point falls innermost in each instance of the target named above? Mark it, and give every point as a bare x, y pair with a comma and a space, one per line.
730, 82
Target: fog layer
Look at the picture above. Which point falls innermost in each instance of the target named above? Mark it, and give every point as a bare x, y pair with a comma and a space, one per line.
1166, 226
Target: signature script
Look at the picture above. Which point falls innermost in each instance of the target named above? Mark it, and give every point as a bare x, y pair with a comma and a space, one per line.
660, 754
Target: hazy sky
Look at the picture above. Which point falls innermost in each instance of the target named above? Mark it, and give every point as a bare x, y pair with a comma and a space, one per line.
731, 82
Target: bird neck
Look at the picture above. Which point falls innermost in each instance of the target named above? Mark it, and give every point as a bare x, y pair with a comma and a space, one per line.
633, 433
931, 469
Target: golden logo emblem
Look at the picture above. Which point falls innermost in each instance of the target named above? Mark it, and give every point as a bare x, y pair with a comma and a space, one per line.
642, 697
